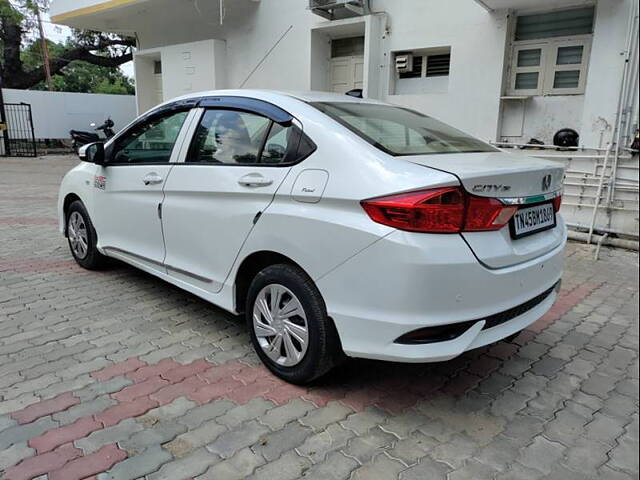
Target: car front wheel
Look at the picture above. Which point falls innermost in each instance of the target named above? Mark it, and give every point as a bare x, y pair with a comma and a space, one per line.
289, 326
82, 238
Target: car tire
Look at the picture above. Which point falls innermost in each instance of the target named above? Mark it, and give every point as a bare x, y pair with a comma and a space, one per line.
82, 238
288, 284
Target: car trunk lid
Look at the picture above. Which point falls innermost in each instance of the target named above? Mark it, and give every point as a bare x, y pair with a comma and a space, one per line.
522, 180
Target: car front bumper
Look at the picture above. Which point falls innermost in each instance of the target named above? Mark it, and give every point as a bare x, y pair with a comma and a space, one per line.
405, 282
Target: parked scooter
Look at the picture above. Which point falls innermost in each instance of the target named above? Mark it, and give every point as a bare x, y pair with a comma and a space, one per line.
81, 138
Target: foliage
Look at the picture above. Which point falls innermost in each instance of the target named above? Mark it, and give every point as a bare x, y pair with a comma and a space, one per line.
20, 67
78, 76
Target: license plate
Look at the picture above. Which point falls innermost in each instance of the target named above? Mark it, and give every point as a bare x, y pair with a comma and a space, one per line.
530, 220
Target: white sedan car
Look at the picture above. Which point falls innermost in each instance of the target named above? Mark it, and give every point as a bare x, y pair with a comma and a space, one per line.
337, 226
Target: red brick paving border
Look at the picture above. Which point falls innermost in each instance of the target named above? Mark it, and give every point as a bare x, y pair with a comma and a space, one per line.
28, 198
83, 467
122, 368
56, 437
46, 407
41, 464
161, 383
28, 221
42, 265
566, 301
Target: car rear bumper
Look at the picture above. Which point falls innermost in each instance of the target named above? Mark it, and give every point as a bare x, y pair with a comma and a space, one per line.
407, 281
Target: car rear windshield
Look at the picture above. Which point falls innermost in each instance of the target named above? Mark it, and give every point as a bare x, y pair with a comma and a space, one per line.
400, 131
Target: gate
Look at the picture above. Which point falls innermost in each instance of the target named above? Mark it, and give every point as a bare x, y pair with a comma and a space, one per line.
16, 128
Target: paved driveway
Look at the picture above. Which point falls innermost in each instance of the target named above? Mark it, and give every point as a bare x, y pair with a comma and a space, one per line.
120, 375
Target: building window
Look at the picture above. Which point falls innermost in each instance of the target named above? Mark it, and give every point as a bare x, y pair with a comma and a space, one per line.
438, 65
427, 63
347, 47
551, 52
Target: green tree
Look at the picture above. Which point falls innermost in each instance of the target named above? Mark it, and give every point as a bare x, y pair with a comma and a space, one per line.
17, 18
78, 76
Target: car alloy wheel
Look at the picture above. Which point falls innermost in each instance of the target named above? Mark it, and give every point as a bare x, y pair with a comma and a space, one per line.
280, 325
78, 235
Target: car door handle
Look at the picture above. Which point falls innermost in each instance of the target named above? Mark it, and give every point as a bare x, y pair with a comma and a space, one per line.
255, 180
152, 179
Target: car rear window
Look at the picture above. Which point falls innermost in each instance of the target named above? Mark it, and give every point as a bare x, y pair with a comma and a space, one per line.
400, 131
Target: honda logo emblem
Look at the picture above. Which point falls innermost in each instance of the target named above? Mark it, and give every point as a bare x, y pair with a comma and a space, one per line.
546, 182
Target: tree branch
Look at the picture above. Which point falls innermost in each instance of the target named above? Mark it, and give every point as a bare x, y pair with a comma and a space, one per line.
86, 47
33, 77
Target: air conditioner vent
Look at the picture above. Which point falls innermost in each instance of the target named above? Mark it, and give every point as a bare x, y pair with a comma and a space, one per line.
404, 62
339, 9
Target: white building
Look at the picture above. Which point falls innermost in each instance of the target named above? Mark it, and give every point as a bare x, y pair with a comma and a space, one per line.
503, 70
506, 70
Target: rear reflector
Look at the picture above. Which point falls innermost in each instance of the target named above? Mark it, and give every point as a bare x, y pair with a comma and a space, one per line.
557, 203
439, 210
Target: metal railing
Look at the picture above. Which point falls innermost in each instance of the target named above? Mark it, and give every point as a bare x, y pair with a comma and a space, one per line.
601, 188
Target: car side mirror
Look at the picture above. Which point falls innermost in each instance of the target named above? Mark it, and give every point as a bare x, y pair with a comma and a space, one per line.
93, 153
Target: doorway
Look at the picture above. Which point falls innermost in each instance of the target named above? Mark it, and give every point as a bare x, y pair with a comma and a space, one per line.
157, 81
346, 69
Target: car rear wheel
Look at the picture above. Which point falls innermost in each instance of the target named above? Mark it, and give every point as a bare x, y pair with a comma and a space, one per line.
82, 238
289, 326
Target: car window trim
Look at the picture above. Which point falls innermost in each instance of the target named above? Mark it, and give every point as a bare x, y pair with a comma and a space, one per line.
249, 105
267, 134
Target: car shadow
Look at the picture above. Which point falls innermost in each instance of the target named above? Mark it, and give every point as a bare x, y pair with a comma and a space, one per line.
359, 383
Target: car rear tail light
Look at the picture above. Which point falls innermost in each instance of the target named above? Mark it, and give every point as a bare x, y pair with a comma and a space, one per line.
487, 214
557, 203
439, 210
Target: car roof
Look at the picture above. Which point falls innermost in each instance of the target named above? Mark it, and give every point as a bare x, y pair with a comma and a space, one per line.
310, 96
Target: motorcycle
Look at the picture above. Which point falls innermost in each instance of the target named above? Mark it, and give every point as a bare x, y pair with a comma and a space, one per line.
81, 138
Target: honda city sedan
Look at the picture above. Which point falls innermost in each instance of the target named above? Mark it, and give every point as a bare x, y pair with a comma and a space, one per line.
339, 227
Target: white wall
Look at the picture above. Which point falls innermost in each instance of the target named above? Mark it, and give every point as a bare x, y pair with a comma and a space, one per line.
477, 40
293, 43
605, 70
186, 68
146, 86
470, 100
192, 67
541, 117
592, 115
55, 113
286, 67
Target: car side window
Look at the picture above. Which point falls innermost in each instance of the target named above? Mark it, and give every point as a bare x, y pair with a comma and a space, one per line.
277, 145
150, 142
229, 137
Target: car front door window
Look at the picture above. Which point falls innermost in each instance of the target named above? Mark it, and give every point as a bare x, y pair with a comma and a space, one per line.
151, 142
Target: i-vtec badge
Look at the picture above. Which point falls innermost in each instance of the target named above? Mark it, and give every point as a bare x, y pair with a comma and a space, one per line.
491, 188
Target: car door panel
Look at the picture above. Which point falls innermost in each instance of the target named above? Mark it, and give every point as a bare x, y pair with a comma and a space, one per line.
236, 163
127, 218
127, 203
208, 212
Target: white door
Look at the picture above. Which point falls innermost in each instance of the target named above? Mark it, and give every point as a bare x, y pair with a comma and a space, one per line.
213, 200
347, 73
159, 91
129, 190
